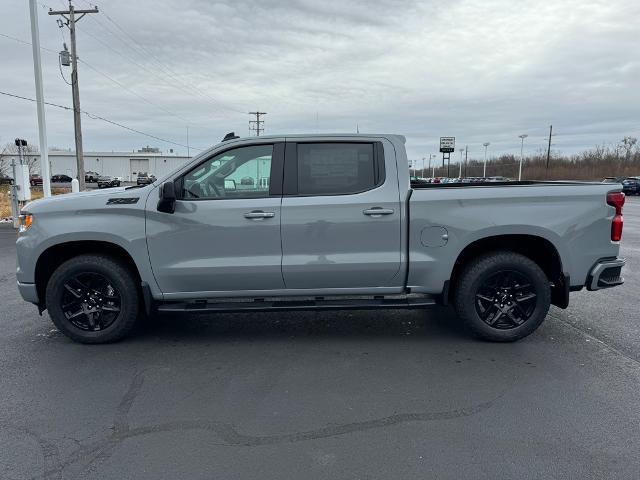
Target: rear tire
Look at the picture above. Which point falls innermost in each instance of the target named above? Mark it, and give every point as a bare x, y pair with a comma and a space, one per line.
502, 296
93, 299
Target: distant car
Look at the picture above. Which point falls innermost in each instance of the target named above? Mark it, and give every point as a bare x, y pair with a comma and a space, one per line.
613, 179
105, 181
4, 180
60, 178
35, 180
91, 176
246, 181
145, 179
631, 186
498, 179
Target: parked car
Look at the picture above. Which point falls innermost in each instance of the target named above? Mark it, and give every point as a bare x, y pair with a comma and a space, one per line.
631, 186
339, 227
35, 180
613, 179
91, 177
498, 179
145, 179
5, 180
60, 178
105, 181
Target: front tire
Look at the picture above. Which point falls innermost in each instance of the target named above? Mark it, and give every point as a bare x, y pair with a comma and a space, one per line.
502, 296
93, 299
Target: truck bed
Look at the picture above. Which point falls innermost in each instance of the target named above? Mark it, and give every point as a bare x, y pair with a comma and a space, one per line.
422, 185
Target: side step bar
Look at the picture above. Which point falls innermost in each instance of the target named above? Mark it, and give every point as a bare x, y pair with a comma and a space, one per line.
298, 303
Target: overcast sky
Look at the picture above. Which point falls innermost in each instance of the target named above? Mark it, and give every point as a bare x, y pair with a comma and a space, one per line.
485, 70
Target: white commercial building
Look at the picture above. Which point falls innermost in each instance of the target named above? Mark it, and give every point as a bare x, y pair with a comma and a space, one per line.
116, 164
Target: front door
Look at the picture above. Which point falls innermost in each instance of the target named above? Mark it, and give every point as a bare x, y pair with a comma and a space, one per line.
225, 233
341, 216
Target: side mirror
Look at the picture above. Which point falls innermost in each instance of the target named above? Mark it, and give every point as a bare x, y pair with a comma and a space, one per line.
167, 202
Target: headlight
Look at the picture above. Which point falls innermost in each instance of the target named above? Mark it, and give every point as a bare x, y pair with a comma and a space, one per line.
26, 219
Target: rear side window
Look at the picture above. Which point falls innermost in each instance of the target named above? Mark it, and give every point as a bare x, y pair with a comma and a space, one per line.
338, 168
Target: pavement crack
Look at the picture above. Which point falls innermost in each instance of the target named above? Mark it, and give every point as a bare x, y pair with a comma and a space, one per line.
121, 430
231, 437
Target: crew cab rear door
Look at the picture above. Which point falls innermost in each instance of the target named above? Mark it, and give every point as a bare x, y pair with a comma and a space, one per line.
341, 216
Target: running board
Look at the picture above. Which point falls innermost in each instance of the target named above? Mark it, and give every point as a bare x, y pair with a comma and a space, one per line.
298, 303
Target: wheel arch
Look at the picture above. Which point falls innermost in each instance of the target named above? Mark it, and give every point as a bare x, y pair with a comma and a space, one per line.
55, 255
537, 248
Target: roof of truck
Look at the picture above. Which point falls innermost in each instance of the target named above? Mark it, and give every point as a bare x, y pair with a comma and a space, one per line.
326, 135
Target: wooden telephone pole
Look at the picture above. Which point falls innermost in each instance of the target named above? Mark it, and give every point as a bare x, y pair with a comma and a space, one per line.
71, 20
257, 125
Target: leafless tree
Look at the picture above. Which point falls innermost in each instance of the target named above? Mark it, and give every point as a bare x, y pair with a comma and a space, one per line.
10, 150
4, 162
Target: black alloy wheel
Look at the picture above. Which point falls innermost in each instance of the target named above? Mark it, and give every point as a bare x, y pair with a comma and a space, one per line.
91, 302
502, 296
94, 298
506, 299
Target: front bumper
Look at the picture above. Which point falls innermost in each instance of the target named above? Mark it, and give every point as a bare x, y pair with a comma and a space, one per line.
606, 274
29, 292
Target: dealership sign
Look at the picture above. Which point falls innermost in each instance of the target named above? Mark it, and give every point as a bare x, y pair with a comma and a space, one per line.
447, 144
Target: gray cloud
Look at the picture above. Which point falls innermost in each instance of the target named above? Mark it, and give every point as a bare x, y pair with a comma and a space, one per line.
480, 70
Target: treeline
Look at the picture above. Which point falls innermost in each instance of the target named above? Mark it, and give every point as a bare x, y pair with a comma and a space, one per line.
593, 164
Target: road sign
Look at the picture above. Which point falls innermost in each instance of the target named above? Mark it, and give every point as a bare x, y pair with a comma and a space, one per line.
447, 144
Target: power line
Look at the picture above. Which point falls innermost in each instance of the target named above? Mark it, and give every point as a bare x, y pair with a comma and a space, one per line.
26, 43
124, 87
127, 89
99, 117
147, 54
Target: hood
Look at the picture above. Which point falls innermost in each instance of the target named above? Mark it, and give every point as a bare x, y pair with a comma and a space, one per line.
87, 200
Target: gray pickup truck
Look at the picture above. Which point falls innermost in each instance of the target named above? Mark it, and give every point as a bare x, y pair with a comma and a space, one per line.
316, 222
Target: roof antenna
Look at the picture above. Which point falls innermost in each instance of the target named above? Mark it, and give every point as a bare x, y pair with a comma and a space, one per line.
230, 136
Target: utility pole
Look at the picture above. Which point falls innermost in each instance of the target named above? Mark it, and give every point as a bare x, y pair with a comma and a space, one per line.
460, 164
71, 19
549, 150
257, 124
42, 126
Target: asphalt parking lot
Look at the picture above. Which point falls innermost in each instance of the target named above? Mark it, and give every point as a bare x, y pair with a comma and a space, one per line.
393, 394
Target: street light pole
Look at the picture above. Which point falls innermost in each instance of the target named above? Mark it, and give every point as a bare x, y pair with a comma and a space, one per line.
522, 137
484, 172
460, 164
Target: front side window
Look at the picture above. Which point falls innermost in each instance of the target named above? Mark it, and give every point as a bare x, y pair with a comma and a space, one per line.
241, 172
336, 168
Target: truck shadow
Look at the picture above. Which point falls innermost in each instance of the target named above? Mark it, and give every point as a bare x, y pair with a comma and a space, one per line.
434, 324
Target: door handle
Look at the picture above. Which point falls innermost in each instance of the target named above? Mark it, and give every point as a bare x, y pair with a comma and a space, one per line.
377, 211
258, 214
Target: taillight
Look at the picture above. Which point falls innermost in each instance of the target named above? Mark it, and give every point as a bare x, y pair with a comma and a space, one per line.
616, 200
